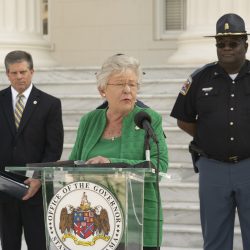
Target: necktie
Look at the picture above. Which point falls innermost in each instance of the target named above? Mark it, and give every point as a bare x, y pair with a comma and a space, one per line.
19, 110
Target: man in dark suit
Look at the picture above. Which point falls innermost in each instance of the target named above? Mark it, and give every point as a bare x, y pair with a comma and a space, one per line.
36, 137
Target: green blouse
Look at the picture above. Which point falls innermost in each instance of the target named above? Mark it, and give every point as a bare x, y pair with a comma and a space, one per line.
106, 148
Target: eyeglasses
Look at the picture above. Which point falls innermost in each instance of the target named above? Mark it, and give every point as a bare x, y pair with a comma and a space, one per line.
232, 45
122, 85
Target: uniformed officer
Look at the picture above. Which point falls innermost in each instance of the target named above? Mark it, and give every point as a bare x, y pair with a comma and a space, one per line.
213, 106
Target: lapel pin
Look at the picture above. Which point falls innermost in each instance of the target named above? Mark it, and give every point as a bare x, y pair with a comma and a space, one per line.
35, 102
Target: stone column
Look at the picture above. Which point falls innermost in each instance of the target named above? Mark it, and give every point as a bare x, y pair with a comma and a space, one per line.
21, 29
202, 15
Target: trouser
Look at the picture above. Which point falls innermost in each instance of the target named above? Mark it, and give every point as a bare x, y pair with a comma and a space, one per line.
223, 187
19, 216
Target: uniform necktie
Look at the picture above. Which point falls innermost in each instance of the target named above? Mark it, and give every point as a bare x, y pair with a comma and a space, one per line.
19, 110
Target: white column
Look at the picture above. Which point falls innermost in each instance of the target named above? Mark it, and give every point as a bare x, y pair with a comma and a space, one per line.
202, 15
21, 29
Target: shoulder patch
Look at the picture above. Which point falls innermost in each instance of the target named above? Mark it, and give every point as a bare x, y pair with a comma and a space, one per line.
186, 86
187, 83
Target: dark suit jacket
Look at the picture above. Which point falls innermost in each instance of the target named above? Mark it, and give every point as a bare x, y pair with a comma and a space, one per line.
39, 137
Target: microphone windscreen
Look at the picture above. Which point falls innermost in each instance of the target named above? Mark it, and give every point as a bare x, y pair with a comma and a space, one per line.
140, 117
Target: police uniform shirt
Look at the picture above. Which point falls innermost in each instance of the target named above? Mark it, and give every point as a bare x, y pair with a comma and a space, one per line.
220, 107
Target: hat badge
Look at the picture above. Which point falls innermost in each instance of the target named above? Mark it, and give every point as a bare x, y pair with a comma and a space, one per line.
226, 26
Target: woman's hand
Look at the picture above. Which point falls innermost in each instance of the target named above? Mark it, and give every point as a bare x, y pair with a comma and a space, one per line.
97, 160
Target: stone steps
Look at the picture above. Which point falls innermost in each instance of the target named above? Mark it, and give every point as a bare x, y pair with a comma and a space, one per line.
190, 237
179, 191
177, 152
182, 171
176, 135
187, 213
181, 213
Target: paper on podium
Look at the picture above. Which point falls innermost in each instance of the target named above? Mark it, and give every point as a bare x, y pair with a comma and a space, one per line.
12, 184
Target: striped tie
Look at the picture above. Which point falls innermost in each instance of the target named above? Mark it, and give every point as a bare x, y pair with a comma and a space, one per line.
19, 110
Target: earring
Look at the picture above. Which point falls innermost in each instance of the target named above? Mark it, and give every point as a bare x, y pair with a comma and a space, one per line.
103, 94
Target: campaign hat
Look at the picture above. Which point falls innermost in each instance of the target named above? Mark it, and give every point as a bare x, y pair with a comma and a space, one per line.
230, 25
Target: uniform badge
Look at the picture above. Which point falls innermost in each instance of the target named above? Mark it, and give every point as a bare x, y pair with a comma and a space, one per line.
226, 26
207, 90
186, 86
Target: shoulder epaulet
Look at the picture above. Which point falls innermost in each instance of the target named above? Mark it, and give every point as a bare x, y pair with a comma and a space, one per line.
202, 68
188, 82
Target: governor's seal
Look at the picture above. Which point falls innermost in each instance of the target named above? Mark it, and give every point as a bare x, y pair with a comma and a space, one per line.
85, 215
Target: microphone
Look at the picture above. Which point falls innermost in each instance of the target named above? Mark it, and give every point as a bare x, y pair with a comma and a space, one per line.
143, 121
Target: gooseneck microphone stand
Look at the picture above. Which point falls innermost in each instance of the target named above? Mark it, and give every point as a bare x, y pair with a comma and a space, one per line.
156, 171
143, 120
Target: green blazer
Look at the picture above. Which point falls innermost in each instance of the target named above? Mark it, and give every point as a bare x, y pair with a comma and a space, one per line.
132, 152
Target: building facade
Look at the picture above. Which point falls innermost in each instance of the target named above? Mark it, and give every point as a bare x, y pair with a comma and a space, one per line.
85, 32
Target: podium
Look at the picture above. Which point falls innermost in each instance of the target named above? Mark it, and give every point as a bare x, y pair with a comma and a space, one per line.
92, 206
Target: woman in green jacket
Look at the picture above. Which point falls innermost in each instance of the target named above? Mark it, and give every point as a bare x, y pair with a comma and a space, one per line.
110, 135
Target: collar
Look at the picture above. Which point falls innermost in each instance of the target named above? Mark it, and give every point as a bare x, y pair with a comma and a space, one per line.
26, 93
219, 71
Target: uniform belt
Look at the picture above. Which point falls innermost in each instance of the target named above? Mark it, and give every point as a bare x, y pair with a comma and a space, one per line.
231, 159
196, 152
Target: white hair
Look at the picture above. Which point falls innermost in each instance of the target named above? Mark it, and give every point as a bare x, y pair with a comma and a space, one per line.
117, 64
